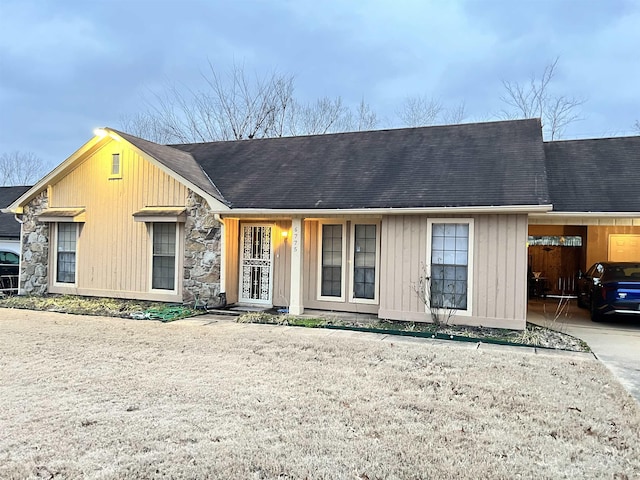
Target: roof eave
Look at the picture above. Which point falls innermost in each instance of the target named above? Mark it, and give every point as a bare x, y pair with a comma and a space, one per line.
315, 212
587, 214
95, 143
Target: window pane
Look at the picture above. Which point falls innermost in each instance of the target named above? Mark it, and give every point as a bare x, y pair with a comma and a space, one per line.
449, 265
438, 229
66, 253
331, 282
438, 243
164, 273
449, 257
461, 258
164, 256
364, 261
115, 164
462, 230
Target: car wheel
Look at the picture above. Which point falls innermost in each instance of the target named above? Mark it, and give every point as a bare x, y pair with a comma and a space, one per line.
581, 303
596, 316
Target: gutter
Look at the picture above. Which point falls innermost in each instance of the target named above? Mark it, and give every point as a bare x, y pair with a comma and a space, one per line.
587, 214
314, 212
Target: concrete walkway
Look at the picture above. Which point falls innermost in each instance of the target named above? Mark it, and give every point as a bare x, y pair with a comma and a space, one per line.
616, 343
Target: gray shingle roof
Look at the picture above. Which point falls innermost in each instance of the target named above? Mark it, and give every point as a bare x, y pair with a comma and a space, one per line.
180, 162
9, 228
600, 175
481, 164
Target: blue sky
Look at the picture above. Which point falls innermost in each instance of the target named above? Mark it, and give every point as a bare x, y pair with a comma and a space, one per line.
69, 66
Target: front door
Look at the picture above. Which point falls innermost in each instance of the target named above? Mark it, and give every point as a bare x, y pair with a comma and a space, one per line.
256, 264
624, 248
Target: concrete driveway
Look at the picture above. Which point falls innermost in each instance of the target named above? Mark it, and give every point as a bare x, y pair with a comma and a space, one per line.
616, 342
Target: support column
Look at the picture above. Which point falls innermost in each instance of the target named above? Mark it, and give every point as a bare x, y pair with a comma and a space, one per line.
296, 306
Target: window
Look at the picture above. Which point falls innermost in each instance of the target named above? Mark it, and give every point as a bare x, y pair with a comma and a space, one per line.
163, 276
331, 261
359, 244
115, 166
66, 253
555, 240
450, 263
9, 258
364, 261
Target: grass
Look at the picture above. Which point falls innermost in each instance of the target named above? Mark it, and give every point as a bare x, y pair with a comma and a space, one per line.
108, 398
534, 335
111, 307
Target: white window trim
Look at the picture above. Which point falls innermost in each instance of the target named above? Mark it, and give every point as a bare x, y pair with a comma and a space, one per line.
470, 221
343, 283
54, 273
352, 245
178, 273
119, 174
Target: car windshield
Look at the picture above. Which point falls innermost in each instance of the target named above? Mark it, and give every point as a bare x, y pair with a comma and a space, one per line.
627, 272
9, 258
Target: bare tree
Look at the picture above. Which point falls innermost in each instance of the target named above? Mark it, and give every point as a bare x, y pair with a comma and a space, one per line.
439, 296
21, 168
636, 126
455, 114
422, 111
146, 125
365, 118
419, 111
322, 116
238, 106
535, 99
232, 107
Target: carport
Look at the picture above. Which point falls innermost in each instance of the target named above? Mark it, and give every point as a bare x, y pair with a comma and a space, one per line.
593, 187
559, 252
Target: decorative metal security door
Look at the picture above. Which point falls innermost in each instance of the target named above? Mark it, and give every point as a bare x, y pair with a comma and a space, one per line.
256, 264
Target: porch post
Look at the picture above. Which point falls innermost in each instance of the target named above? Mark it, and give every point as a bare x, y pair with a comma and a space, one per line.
296, 306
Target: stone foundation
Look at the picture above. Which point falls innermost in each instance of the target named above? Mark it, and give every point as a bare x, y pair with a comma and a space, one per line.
34, 274
202, 235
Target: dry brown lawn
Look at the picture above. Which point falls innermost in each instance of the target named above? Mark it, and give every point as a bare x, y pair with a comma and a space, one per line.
105, 398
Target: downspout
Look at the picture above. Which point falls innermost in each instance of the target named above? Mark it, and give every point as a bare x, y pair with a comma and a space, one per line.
21, 222
223, 256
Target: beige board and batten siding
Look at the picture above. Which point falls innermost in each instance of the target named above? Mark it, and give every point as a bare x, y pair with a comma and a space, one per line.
281, 294
113, 252
499, 294
232, 258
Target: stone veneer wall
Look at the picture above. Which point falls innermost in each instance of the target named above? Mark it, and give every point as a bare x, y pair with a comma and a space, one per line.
35, 248
202, 252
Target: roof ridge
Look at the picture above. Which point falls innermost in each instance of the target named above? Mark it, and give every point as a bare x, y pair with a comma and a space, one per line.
363, 132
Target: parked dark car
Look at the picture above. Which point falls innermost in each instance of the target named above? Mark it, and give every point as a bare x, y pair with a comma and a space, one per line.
9, 266
609, 289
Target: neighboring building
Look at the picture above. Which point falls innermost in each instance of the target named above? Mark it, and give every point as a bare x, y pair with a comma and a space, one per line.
9, 227
9, 241
343, 222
